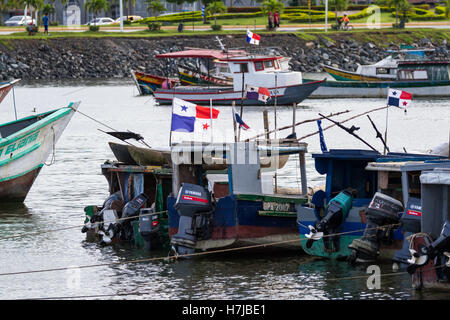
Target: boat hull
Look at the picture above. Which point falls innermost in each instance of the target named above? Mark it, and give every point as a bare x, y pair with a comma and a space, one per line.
226, 96
343, 75
240, 221
379, 89
147, 83
23, 154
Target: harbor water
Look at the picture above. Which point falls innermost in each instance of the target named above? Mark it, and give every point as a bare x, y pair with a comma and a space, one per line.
74, 180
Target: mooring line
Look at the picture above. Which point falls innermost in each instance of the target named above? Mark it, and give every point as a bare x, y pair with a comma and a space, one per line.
80, 226
179, 256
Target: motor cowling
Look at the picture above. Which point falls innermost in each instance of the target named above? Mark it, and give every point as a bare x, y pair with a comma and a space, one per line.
337, 211
410, 223
195, 210
131, 209
149, 228
382, 213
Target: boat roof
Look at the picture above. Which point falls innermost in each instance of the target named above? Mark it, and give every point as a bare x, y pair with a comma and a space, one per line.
422, 62
398, 166
246, 58
438, 175
201, 53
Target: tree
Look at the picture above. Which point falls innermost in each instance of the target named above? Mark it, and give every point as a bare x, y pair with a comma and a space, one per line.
214, 8
4, 4
272, 6
156, 7
96, 6
339, 5
447, 9
36, 4
397, 4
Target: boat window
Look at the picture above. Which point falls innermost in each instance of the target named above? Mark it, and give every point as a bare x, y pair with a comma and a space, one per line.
382, 71
259, 66
243, 67
268, 64
276, 64
420, 74
405, 75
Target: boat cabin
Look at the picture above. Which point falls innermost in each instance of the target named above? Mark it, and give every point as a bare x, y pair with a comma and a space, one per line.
384, 69
423, 70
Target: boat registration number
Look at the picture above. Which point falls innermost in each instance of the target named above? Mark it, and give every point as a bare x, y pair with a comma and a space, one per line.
276, 206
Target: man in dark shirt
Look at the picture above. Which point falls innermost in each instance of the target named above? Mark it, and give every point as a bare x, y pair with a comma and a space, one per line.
45, 22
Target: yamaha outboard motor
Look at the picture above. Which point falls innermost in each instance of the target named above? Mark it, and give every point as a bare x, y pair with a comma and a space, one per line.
382, 213
337, 211
426, 253
410, 224
131, 209
149, 228
194, 207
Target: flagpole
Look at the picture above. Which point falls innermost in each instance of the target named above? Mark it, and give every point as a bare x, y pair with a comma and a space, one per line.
211, 119
385, 132
170, 134
233, 103
242, 103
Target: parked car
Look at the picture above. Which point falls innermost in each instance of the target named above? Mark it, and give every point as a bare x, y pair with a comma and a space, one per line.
103, 21
15, 21
130, 18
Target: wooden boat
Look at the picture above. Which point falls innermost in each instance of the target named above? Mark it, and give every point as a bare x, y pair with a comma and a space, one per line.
121, 153
286, 87
248, 208
5, 87
147, 83
365, 171
25, 145
422, 78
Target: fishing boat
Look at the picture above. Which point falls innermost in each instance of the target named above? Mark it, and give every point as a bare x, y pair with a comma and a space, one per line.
367, 173
421, 78
5, 87
25, 145
208, 71
235, 207
429, 247
285, 87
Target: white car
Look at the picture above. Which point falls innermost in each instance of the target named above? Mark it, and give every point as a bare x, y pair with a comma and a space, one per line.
19, 21
100, 22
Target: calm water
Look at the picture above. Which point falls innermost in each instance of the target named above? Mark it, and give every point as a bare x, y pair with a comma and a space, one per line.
63, 189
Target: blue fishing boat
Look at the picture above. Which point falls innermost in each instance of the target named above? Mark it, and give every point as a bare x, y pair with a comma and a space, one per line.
347, 169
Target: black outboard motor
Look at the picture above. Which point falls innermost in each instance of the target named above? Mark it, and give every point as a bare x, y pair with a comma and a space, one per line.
337, 211
410, 223
382, 211
149, 228
131, 209
195, 210
440, 246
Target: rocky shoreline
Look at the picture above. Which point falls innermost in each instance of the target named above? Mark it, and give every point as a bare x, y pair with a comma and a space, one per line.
85, 58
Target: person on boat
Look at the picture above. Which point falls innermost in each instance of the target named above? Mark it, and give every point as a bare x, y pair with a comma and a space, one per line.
344, 20
270, 18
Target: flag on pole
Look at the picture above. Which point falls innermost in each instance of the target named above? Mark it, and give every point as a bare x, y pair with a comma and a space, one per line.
257, 93
253, 38
398, 98
189, 117
239, 120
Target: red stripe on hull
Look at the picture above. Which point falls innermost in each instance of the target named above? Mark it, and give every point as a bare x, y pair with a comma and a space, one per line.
16, 190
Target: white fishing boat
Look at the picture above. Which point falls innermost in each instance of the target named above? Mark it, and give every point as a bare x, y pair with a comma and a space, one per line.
25, 145
285, 86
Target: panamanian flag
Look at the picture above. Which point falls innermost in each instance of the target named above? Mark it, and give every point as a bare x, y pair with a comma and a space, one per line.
398, 98
257, 93
189, 117
239, 120
253, 38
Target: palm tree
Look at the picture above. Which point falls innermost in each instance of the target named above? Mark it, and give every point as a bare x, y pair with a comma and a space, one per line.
36, 4
339, 5
156, 7
214, 8
4, 4
397, 4
96, 6
272, 6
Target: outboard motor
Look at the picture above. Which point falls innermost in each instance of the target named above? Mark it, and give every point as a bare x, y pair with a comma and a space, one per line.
131, 209
149, 228
410, 223
426, 253
337, 211
382, 211
194, 207
107, 229
93, 220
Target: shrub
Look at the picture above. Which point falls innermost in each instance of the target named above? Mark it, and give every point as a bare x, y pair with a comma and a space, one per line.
216, 27
154, 26
53, 23
94, 28
32, 29
126, 22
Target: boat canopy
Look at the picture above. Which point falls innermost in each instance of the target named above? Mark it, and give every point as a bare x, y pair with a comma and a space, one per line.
201, 53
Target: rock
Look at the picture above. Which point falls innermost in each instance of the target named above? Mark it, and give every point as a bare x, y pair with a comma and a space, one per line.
325, 56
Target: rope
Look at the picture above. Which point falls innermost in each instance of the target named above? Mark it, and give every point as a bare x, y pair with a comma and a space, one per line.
178, 256
79, 226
